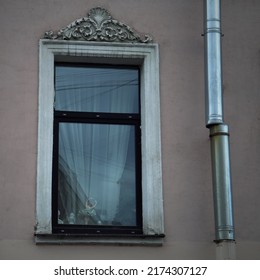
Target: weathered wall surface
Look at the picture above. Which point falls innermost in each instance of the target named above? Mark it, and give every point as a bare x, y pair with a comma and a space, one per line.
176, 26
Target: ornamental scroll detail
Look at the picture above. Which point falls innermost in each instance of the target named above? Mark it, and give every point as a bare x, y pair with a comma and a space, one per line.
98, 26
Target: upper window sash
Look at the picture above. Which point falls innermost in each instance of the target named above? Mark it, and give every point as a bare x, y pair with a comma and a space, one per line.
96, 88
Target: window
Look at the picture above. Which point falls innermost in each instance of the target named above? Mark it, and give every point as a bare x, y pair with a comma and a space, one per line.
96, 160
114, 141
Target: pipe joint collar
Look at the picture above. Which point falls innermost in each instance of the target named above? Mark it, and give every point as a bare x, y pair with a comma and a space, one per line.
220, 129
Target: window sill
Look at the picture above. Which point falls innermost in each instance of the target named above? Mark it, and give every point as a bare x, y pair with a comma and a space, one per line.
72, 239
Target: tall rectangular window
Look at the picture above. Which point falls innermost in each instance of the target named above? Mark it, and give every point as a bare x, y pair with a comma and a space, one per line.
99, 176
96, 185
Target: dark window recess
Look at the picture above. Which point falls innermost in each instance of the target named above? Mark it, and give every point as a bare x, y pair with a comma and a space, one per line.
97, 150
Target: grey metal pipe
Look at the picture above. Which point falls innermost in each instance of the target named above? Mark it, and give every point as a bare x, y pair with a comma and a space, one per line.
213, 63
222, 188
219, 134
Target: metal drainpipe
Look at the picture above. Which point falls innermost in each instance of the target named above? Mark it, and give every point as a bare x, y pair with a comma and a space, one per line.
219, 133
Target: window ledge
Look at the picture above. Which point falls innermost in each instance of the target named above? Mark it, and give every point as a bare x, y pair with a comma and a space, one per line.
72, 239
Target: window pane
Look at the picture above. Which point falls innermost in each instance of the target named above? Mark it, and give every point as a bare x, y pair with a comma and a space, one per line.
97, 179
96, 89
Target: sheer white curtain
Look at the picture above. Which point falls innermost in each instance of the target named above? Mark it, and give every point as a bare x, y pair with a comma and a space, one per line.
92, 156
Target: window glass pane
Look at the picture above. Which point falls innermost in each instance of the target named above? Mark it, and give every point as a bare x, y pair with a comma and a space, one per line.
97, 179
96, 89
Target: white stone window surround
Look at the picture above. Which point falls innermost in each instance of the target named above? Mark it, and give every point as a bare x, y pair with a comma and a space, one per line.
144, 55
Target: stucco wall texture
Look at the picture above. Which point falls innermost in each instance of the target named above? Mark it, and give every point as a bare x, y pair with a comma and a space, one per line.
176, 25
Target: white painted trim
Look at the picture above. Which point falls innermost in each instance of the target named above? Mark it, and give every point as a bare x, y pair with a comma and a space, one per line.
147, 56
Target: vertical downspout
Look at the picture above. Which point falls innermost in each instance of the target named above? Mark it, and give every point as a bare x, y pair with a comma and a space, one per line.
219, 133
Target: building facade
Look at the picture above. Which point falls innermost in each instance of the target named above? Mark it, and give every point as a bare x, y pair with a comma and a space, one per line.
171, 200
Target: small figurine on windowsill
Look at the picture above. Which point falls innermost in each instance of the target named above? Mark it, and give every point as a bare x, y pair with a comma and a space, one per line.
89, 212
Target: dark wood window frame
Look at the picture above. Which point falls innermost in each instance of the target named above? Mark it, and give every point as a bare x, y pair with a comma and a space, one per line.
98, 118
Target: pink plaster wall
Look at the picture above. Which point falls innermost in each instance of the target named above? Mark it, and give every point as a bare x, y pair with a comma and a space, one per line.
176, 26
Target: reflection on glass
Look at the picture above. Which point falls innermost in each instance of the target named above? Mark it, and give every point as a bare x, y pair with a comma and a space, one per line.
96, 89
96, 184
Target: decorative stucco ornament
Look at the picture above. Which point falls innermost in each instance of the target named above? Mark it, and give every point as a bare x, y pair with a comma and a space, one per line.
98, 26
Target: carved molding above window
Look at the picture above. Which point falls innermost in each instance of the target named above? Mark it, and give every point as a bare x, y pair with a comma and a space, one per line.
98, 26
